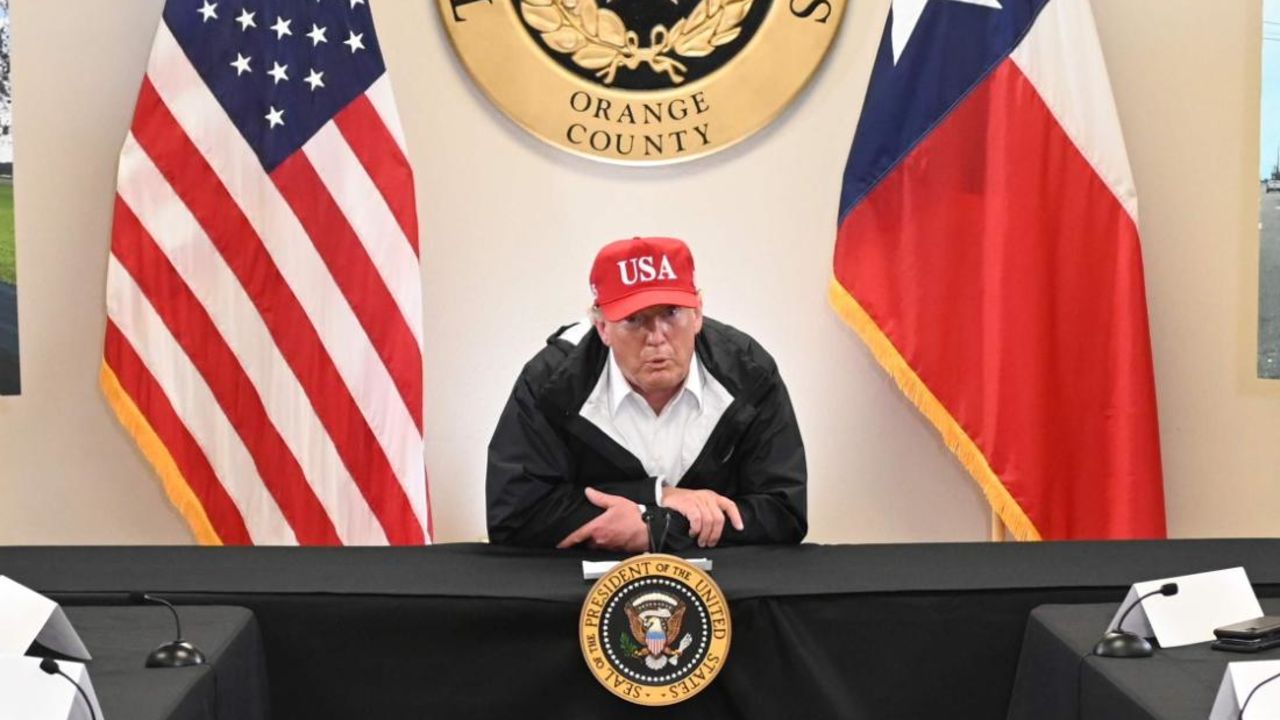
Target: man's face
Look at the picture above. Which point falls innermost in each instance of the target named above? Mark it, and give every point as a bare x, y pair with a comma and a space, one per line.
654, 346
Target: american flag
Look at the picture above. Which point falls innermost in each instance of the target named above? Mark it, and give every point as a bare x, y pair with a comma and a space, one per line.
264, 332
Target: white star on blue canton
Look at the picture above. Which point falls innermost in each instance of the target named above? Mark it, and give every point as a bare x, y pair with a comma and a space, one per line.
906, 13
354, 3
275, 117
314, 79
282, 27
277, 71
246, 19
241, 64
355, 41
317, 35
209, 11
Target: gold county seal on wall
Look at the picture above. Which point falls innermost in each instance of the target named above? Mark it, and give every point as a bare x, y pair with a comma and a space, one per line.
655, 630
641, 81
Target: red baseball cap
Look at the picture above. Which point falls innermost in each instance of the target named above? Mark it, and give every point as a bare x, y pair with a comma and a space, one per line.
631, 275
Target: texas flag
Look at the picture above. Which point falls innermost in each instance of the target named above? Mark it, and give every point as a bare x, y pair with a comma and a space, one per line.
988, 255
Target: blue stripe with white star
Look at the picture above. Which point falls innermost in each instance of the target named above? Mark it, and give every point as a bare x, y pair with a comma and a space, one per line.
952, 47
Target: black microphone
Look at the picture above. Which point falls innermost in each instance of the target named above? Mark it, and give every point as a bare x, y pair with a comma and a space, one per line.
1124, 644
1251, 692
50, 666
657, 522
179, 652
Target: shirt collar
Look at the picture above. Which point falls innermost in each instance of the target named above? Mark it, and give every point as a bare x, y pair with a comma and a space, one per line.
620, 389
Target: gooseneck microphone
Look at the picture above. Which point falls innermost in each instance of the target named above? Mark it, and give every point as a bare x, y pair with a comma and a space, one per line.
1120, 643
50, 666
657, 521
179, 652
1167, 590
1251, 692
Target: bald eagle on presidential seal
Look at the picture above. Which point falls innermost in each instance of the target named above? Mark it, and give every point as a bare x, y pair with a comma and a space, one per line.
655, 620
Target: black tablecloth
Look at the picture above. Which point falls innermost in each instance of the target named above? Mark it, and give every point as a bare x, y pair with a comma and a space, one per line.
879, 632
476, 570
232, 686
1059, 679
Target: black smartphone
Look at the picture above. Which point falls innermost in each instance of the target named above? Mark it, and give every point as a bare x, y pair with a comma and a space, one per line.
1247, 646
1258, 627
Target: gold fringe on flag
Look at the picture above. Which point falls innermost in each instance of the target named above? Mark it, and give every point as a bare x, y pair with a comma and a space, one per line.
175, 485
953, 436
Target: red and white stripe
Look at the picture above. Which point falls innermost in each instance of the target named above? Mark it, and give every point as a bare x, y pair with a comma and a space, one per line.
269, 326
1000, 260
1078, 94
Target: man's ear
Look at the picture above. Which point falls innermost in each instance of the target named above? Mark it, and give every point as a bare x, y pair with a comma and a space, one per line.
602, 329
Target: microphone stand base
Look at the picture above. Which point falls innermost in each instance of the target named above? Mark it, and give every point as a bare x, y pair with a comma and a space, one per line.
178, 653
1122, 644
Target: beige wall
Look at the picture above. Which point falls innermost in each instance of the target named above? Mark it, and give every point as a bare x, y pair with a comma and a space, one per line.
510, 226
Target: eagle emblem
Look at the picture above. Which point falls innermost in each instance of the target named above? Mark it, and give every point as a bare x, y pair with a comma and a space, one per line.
654, 621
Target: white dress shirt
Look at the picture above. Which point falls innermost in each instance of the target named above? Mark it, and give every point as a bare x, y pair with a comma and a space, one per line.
665, 443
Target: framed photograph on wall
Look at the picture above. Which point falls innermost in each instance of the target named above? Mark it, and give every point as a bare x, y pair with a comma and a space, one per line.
10, 379
1269, 197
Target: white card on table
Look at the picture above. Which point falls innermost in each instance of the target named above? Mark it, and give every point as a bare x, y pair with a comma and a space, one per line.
27, 616
23, 614
1238, 681
596, 569
29, 693
1204, 601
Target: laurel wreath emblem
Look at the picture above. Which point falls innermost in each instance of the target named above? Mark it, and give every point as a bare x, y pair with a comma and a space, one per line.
599, 40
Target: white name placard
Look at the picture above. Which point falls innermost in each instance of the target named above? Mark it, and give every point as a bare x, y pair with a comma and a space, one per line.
1204, 601
1238, 681
26, 616
30, 693
596, 569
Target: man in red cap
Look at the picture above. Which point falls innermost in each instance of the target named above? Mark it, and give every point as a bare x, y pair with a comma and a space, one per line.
647, 405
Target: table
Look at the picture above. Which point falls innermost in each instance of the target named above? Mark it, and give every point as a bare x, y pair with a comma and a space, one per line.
883, 632
232, 685
1059, 679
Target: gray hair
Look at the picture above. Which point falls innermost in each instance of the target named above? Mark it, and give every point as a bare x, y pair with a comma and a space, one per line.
595, 316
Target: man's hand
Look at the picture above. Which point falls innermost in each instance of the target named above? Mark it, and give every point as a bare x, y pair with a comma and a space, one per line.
619, 527
706, 511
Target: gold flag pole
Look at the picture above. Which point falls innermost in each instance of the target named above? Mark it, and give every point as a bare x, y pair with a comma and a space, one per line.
997, 528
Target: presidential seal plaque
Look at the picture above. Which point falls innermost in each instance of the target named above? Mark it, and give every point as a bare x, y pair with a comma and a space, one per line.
655, 630
641, 81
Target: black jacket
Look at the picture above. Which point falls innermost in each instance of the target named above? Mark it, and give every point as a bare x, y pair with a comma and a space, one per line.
543, 453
